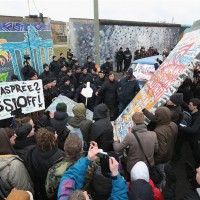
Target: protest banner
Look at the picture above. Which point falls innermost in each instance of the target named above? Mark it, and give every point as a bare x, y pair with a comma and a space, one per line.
70, 104
25, 95
163, 83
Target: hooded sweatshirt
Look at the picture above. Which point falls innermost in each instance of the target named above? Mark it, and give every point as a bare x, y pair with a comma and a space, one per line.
140, 188
80, 121
12, 170
102, 129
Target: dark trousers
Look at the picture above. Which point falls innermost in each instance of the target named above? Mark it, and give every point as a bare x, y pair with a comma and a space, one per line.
119, 65
126, 66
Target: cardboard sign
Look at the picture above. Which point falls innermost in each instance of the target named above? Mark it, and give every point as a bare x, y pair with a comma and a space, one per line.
163, 83
25, 95
70, 104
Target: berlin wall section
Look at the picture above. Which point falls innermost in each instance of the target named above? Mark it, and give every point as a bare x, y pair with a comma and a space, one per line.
115, 34
24, 36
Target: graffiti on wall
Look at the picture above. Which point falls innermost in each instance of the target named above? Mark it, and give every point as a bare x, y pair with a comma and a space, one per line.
114, 36
19, 39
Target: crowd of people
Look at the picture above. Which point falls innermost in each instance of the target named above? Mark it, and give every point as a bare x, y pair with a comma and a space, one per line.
51, 155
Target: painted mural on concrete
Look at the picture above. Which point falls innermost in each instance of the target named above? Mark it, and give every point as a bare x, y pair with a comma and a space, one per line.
114, 36
19, 39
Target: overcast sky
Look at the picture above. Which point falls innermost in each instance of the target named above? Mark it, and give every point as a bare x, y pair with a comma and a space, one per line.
177, 11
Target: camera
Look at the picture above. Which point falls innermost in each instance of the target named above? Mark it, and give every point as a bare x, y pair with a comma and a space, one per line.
103, 154
27, 57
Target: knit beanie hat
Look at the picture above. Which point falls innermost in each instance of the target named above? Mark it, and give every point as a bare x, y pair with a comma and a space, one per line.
61, 107
19, 195
177, 99
130, 71
138, 118
22, 131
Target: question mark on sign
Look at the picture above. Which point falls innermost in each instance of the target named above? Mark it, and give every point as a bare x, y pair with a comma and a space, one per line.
38, 91
37, 87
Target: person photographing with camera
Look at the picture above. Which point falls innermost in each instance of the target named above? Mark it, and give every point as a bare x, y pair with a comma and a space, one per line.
72, 180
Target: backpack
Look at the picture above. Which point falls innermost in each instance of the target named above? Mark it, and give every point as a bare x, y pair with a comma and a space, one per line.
186, 119
54, 176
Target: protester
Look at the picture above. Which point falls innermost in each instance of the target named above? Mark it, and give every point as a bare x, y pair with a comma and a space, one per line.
74, 176
43, 157
13, 172
102, 130
128, 87
147, 138
108, 91
79, 120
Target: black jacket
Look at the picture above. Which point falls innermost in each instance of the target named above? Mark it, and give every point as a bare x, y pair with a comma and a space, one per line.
127, 57
49, 94
107, 67
120, 56
54, 67
194, 127
46, 75
141, 190
109, 93
99, 82
102, 129
41, 162
68, 91
60, 76
89, 66
127, 90
84, 77
59, 121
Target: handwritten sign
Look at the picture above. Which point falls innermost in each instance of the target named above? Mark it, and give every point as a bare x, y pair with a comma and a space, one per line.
163, 83
70, 104
27, 95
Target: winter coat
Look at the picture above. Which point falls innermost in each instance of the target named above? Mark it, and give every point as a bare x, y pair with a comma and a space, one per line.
54, 67
60, 76
194, 127
127, 57
80, 121
49, 95
41, 162
46, 74
84, 77
73, 178
120, 56
107, 67
166, 132
109, 92
68, 91
127, 90
192, 195
99, 82
196, 90
149, 143
89, 66
62, 61
59, 121
102, 129
12, 170
77, 76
